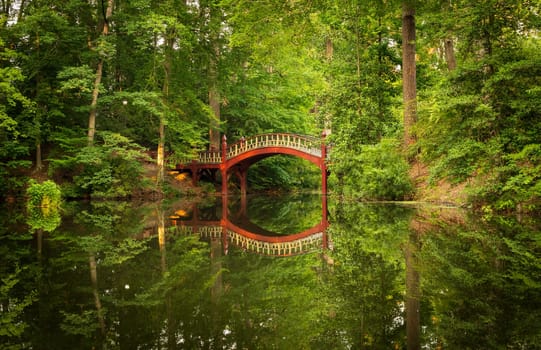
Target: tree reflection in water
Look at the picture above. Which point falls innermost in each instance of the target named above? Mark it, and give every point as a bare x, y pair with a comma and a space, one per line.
119, 275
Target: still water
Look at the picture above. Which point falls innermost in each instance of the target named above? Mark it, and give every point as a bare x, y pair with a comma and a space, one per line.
267, 272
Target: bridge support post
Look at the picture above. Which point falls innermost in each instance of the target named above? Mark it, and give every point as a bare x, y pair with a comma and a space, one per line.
194, 172
324, 220
223, 166
323, 164
223, 223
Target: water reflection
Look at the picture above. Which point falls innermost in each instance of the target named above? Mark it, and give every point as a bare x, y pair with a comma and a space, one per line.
231, 224
122, 276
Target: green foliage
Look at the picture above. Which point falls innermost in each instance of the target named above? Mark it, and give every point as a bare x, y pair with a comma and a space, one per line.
11, 324
284, 173
12, 103
77, 80
83, 324
479, 124
110, 168
44, 195
480, 281
43, 218
11, 182
11, 98
377, 172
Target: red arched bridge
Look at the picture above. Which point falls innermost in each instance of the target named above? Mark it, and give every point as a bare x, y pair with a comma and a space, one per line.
239, 156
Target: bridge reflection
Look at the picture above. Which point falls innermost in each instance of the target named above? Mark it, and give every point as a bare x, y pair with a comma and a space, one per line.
217, 223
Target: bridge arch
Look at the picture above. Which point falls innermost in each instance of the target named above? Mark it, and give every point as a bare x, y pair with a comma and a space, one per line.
254, 156
239, 156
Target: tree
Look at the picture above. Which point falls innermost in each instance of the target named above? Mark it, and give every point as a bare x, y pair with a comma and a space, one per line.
473, 118
13, 104
409, 75
107, 11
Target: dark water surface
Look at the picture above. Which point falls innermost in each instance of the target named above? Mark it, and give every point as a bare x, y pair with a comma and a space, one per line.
267, 273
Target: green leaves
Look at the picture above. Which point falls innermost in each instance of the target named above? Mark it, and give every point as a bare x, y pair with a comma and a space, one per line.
11, 324
110, 168
44, 195
77, 80
374, 172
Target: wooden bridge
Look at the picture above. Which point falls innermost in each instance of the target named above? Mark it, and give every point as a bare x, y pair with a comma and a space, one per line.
239, 156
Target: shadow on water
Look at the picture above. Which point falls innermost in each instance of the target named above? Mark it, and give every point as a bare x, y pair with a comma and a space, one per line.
387, 276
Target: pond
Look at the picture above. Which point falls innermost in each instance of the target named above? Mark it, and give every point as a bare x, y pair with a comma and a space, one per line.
268, 272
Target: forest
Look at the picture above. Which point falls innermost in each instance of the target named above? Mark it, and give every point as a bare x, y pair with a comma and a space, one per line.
422, 100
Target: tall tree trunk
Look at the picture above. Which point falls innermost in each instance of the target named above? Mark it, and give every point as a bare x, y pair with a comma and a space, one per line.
409, 78
413, 289
97, 79
450, 53
39, 75
448, 44
95, 291
39, 161
214, 103
22, 6
213, 93
329, 49
160, 159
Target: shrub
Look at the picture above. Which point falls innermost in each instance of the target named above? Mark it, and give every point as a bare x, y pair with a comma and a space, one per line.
45, 218
44, 195
384, 172
110, 168
377, 172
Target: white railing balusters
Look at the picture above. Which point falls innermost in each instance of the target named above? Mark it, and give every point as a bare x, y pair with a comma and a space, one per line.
276, 248
307, 144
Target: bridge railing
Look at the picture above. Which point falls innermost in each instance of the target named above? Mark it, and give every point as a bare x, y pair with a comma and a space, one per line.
203, 231
210, 157
298, 246
307, 144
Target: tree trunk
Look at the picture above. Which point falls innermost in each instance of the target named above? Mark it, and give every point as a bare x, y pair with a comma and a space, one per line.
160, 159
21, 11
95, 291
409, 78
39, 161
213, 93
214, 103
97, 79
450, 54
41, 108
329, 49
413, 292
